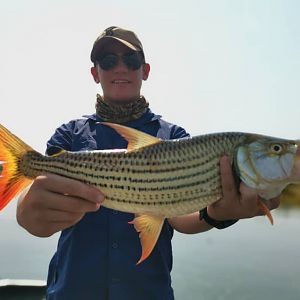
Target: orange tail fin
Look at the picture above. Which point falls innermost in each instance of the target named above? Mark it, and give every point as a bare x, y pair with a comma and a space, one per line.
12, 181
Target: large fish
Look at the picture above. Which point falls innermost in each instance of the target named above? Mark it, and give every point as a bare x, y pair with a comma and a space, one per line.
157, 179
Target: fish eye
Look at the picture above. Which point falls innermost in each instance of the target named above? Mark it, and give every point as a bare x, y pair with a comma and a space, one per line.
276, 148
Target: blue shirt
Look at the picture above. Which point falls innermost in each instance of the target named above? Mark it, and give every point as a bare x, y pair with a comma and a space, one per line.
96, 258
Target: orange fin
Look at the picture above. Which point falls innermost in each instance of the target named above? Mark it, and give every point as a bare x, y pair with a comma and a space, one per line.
12, 181
135, 138
265, 210
149, 227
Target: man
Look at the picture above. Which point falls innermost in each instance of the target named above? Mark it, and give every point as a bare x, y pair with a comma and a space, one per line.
97, 250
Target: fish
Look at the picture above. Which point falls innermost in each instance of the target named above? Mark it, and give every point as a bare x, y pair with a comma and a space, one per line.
157, 179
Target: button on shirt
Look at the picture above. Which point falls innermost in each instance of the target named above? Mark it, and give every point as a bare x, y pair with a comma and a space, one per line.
96, 258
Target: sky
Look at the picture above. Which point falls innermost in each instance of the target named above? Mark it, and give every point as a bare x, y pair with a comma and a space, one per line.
216, 65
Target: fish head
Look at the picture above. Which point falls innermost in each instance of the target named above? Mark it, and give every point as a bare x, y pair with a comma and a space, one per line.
296, 168
268, 164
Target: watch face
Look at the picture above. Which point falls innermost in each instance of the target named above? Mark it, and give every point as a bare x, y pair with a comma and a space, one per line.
201, 214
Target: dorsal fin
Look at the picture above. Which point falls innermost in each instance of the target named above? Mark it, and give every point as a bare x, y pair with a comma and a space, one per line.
135, 138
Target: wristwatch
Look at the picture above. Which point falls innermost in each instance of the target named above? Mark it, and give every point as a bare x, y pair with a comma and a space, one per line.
203, 215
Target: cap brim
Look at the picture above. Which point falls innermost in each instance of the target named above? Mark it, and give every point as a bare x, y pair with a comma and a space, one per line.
98, 47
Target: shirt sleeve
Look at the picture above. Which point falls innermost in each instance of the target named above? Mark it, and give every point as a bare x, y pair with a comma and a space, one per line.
60, 140
178, 133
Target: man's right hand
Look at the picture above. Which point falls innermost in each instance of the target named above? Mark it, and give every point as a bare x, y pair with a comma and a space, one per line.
54, 203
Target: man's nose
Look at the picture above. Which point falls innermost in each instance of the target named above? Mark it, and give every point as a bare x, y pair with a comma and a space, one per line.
121, 66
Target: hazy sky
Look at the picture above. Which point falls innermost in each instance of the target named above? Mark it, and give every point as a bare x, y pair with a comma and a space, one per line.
215, 65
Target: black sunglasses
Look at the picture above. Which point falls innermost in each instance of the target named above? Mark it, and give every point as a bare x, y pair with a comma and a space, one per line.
132, 60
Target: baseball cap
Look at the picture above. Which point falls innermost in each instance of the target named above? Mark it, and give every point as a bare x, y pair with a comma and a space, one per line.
126, 37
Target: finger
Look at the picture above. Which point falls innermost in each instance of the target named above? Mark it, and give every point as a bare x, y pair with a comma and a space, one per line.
227, 180
64, 217
68, 203
58, 216
63, 185
53, 227
272, 203
254, 204
250, 200
248, 195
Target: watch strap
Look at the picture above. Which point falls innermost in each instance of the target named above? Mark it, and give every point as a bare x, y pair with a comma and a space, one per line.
203, 215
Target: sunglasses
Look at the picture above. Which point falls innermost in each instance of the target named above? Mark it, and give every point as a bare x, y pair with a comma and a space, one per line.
132, 60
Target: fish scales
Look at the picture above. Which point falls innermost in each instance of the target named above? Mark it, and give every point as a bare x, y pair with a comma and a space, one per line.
170, 178
158, 179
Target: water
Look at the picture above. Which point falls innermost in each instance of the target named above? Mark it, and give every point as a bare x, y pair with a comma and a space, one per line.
251, 260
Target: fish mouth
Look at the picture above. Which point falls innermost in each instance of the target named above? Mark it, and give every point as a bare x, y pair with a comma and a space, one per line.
296, 167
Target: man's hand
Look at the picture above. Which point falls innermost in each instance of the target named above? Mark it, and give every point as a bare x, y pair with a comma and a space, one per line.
54, 203
237, 204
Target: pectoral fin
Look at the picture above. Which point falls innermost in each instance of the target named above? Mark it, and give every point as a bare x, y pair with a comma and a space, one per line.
149, 228
265, 210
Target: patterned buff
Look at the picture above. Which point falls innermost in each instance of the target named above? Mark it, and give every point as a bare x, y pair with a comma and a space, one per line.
120, 113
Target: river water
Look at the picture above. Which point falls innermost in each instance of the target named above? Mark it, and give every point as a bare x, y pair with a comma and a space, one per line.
250, 260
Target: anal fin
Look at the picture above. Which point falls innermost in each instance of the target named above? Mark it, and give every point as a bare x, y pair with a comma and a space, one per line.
149, 228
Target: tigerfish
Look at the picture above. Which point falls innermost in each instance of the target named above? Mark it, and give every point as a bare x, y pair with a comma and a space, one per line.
156, 179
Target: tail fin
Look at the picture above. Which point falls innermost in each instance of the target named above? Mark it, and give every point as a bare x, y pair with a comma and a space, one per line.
12, 181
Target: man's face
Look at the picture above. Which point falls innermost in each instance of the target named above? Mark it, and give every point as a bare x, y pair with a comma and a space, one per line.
120, 83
